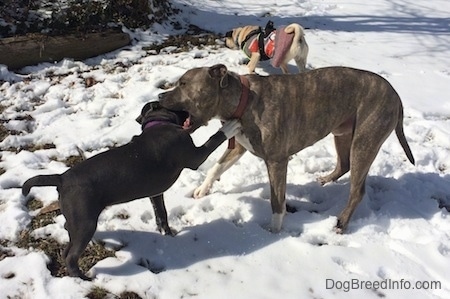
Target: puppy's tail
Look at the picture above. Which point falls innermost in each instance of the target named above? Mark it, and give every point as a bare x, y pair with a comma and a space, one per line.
81, 153
401, 137
296, 29
41, 180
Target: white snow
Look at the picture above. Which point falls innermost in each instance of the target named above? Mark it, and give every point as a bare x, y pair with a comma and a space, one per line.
397, 237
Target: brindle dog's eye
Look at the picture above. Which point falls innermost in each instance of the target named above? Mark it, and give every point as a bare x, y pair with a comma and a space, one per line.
181, 83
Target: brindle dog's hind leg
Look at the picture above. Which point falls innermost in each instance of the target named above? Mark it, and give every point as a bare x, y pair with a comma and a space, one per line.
343, 144
343, 136
365, 145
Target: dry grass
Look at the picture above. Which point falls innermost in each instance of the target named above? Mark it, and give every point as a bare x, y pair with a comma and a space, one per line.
196, 38
101, 293
94, 253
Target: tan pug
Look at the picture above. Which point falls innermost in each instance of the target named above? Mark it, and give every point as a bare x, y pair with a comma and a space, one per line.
260, 44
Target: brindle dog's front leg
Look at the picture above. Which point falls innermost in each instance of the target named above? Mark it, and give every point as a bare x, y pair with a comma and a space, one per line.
277, 176
227, 160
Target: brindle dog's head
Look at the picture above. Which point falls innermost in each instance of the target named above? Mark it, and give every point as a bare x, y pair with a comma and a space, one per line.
200, 91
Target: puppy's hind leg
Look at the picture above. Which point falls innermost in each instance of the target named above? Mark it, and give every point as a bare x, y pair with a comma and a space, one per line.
81, 226
78, 243
299, 48
300, 61
284, 68
301, 57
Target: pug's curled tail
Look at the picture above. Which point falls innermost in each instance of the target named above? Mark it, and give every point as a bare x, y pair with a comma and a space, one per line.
41, 180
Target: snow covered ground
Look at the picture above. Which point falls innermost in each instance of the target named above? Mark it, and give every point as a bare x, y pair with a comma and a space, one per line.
398, 241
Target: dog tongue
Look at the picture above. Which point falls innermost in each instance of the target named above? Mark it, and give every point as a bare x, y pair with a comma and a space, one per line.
187, 123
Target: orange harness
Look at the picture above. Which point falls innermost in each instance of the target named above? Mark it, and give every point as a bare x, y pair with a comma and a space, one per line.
258, 43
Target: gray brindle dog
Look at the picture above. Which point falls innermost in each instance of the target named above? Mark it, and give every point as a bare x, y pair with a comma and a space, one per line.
287, 113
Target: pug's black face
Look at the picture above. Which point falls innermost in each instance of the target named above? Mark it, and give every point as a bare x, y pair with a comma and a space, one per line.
154, 111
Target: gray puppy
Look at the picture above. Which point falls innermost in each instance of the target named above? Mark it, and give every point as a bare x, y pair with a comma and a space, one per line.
147, 166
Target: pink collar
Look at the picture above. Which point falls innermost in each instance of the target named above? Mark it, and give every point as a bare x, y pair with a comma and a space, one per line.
153, 123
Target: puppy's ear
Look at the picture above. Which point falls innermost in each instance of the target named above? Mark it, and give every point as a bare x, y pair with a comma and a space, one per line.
151, 106
219, 71
143, 111
154, 105
229, 34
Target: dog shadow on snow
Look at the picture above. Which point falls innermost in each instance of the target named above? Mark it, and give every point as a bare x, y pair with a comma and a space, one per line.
413, 195
151, 251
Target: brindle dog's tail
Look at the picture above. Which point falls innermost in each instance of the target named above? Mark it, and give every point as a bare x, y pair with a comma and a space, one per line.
41, 180
401, 137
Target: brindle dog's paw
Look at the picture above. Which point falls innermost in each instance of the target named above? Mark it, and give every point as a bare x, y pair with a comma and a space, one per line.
339, 228
323, 180
201, 191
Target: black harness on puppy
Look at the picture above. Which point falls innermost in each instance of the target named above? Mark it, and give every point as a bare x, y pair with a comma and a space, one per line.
261, 35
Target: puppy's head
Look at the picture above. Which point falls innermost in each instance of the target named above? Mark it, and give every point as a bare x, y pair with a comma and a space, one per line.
231, 37
153, 111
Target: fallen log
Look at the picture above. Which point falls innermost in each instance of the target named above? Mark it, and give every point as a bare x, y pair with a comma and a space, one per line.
20, 51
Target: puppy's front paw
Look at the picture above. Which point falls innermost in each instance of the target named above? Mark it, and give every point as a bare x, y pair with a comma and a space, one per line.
231, 128
166, 230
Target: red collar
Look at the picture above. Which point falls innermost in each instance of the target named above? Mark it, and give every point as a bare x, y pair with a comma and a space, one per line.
243, 103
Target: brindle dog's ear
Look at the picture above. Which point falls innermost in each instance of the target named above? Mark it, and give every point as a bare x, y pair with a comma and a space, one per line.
219, 71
